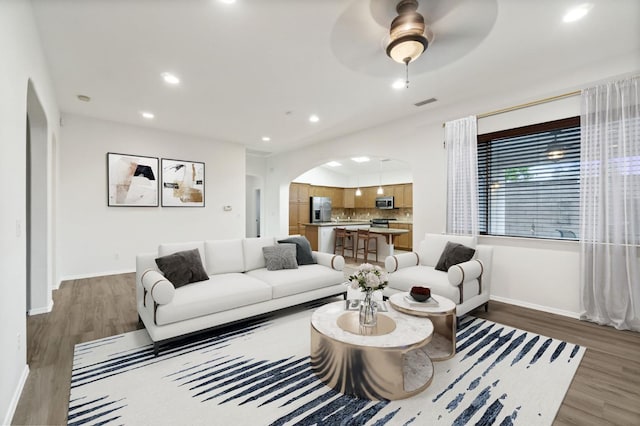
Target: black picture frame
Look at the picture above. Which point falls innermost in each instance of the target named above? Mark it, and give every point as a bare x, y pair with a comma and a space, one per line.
132, 180
183, 183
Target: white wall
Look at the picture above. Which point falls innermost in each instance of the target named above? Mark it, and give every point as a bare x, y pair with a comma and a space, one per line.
95, 239
538, 274
21, 60
323, 177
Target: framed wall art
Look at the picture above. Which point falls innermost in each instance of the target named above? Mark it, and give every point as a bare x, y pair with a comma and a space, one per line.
132, 180
182, 183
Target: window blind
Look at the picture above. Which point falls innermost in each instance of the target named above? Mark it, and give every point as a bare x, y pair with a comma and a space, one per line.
529, 181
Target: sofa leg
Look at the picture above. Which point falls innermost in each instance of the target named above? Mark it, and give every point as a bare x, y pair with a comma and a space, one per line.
139, 320
486, 307
344, 295
156, 349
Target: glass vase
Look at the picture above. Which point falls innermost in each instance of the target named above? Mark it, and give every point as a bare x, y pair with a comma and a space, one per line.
368, 310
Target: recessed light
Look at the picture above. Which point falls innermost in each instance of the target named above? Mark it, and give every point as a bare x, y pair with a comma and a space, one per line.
577, 13
227, 1
398, 84
84, 98
314, 118
333, 164
170, 78
148, 115
360, 159
266, 139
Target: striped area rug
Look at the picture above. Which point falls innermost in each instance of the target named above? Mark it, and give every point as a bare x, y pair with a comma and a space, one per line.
259, 374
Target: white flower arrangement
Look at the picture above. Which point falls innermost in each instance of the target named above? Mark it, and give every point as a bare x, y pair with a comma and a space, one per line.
369, 278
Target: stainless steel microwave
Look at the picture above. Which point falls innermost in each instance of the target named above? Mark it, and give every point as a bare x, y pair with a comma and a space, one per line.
384, 202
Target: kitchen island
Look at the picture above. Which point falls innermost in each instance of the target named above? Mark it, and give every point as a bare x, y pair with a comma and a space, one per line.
322, 236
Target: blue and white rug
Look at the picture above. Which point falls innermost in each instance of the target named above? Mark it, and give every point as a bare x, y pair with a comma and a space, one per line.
259, 374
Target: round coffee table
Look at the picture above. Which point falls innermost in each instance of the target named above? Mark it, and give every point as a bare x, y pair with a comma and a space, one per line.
443, 317
386, 362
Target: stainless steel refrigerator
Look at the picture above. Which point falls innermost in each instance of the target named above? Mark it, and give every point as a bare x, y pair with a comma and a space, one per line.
320, 209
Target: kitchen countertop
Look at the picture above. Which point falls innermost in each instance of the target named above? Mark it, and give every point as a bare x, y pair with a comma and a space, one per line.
353, 222
340, 223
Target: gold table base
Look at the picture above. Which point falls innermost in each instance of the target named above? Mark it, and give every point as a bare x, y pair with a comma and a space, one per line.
370, 372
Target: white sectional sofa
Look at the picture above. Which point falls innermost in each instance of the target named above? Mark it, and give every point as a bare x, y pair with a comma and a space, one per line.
239, 287
468, 284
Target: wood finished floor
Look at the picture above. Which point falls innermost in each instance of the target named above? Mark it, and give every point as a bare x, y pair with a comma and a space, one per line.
605, 390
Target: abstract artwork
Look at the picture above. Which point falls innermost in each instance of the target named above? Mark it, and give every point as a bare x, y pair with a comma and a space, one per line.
132, 180
182, 183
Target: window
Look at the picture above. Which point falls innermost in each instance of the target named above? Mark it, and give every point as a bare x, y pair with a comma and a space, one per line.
529, 181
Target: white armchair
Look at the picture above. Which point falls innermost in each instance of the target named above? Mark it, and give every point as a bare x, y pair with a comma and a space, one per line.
468, 284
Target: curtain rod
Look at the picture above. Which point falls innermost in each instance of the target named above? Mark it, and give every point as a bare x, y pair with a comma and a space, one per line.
528, 104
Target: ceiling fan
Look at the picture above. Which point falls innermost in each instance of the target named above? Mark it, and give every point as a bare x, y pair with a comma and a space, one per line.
453, 28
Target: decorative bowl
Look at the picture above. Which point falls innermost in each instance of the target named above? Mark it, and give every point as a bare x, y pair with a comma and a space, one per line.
420, 294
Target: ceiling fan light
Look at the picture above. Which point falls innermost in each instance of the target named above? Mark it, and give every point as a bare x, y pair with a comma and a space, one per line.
407, 49
407, 33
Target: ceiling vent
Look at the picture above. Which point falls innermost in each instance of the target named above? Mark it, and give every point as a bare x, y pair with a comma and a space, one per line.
426, 101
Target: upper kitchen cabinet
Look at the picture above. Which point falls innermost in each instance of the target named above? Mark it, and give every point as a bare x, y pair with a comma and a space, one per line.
299, 192
368, 198
408, 195
398, 195
349, 198
337, 198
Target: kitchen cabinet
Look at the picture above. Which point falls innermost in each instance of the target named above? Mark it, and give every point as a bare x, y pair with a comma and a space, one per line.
368, 198
337, 198
398, 196
299, 208
408, 195
299, 192
404, 241
349, 198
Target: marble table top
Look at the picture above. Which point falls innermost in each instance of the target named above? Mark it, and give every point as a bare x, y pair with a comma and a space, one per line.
404, 301
409, 330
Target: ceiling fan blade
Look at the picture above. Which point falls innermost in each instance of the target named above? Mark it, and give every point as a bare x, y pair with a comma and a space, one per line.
360, 35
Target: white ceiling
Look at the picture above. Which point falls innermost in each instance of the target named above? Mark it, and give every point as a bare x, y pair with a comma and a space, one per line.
259, 67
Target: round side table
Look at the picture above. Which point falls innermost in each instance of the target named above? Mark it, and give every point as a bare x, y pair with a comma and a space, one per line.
443, 317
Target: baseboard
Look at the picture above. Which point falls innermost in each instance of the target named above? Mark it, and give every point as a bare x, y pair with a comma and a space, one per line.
16, 396
542, 308
92, 275
38, 311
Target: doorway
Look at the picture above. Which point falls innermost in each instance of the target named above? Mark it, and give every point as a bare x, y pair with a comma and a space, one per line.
253, 206
37, 210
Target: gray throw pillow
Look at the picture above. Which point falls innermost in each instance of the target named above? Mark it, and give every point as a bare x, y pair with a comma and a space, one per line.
453, 254
280, 256
183, 267
303, 250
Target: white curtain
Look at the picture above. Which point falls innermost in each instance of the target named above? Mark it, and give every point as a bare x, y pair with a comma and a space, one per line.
461, 139
610, 204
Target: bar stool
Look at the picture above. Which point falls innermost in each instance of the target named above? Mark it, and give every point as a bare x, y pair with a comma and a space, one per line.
343, 241
366, 237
